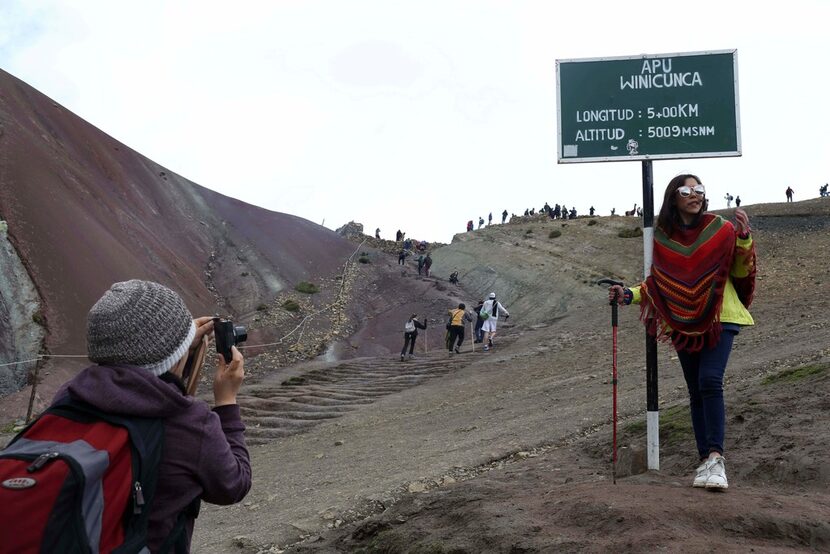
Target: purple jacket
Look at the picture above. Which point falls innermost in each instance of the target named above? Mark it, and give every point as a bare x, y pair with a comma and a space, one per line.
204, 452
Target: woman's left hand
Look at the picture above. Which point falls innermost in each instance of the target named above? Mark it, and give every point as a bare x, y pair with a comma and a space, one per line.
742, 222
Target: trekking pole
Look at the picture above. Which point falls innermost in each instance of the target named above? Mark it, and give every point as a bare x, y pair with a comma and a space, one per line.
472, 338
613, 303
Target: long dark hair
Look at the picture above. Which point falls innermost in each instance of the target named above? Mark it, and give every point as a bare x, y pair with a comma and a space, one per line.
668, 218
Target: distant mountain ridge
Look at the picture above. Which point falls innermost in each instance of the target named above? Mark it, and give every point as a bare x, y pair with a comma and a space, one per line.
83, 211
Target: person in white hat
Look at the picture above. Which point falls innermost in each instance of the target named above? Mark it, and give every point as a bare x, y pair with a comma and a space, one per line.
492, 308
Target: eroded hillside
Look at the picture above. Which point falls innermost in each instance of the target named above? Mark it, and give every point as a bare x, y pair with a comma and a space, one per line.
81, 210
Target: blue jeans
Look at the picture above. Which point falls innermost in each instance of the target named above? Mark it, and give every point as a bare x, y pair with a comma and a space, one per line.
704, 371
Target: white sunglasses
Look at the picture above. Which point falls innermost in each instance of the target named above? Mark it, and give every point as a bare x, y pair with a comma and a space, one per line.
686, 191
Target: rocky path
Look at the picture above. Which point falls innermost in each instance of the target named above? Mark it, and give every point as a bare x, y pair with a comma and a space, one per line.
296, 404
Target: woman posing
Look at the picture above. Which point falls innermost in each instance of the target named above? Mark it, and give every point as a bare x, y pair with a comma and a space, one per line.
701, 283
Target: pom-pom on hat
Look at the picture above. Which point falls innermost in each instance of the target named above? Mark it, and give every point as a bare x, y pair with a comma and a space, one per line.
492, 295
139, 323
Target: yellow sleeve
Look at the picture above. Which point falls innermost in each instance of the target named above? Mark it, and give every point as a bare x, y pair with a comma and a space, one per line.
636, 296
744, 261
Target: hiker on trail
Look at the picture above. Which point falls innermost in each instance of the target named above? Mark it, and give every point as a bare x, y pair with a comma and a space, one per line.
490, 219
398, 236
789, 192
410, 333
454, 277
613, 211
427, 264
470, 225
591, 210
572, 215
141, 337
557, 211
377, 233
407, 244
692, 246
455, 328
402, 256
490, 312
478, 335
527, 212
737, 201
503, 217
420, 264
822, 191
728, 199
480, 222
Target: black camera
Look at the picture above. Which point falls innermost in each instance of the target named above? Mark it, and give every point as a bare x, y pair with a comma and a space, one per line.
227, 335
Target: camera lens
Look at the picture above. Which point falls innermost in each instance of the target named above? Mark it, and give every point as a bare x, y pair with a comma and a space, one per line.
240, 334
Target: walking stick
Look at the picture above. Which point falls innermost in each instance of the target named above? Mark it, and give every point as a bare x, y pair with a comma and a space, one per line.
613, 303
472, 339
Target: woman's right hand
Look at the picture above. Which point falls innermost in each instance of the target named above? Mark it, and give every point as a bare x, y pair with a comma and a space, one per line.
228, 378
616, 292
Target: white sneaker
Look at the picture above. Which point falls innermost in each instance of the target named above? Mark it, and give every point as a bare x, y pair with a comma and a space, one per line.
701, 474
717, 475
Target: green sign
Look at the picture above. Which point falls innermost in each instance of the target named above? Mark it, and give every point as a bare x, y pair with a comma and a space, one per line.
648, 107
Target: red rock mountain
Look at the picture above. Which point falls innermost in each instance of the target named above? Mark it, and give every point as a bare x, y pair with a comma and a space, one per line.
83, 210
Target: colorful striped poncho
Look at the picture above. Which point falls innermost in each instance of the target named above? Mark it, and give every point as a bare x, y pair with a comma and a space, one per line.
682, 297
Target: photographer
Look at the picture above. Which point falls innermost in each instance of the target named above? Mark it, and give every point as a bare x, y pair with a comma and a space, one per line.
143, 338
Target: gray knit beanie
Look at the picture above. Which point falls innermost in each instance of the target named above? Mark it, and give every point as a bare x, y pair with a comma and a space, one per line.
139, 323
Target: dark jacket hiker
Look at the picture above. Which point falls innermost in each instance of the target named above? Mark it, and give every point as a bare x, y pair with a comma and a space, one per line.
140, 333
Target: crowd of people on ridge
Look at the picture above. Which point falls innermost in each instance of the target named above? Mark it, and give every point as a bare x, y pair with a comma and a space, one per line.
556, 212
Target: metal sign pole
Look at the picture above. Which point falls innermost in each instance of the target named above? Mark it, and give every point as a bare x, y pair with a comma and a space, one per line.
652, 410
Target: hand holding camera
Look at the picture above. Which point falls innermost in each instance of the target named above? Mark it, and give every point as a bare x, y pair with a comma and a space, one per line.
228, 378
229, 363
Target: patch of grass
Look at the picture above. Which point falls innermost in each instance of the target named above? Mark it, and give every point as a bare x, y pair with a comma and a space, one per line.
291, 306
364, 259
294, 381
245, 273
529, 232
306, 288
635, 428
675, 426
555, 233
630, 233
39, 318
793, 374
262, 307
9, 428
592, 222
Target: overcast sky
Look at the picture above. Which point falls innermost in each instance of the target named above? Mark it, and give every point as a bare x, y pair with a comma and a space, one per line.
413, 115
